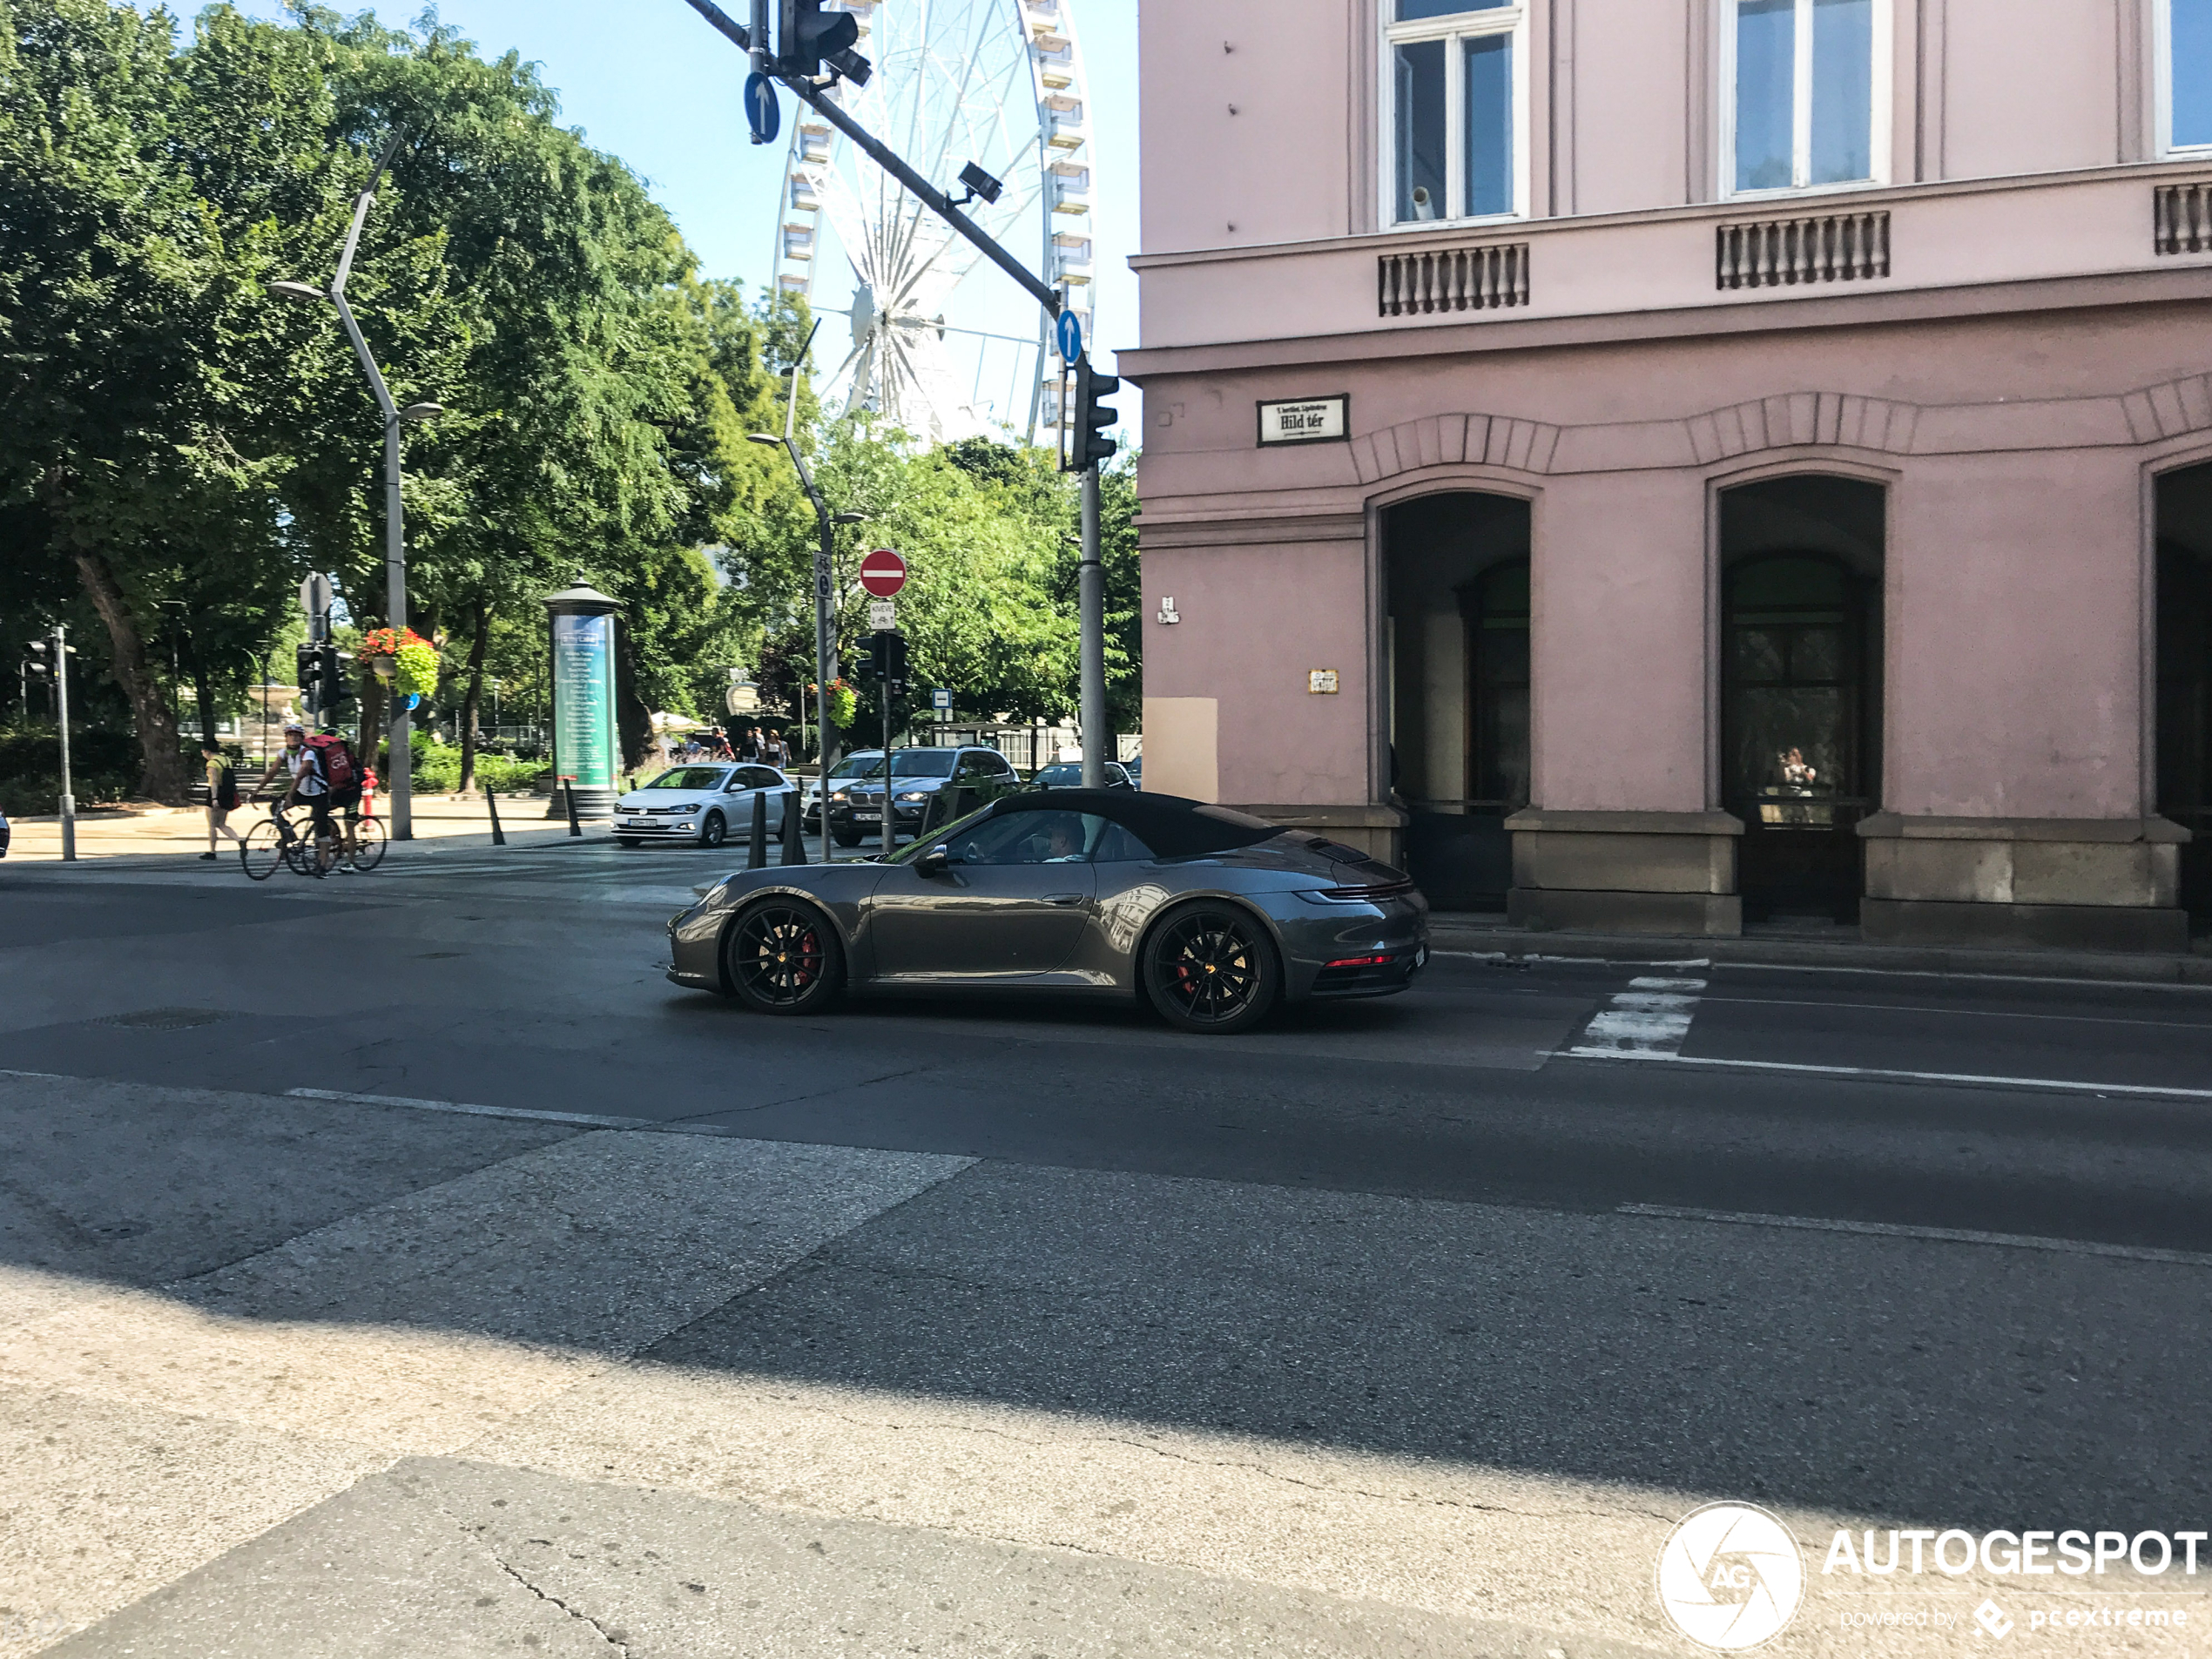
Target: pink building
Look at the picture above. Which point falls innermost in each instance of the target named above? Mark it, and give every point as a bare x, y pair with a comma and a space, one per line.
1650, 464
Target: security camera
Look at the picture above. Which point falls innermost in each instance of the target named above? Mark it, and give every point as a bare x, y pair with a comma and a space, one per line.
980, 184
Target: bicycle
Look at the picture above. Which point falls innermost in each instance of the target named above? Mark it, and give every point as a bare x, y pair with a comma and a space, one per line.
273, 842
363, 847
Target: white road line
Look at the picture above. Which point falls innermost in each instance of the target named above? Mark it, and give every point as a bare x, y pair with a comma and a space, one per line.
2072, 1086
1940, 1235
1941, 1010
579, 1119
1646, 1022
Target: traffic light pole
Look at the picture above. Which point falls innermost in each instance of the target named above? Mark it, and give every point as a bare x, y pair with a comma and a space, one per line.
890, 834
1091, 606
1092, 583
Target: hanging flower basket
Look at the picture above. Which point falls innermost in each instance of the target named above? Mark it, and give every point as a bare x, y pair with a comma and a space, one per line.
843, 704
403, 657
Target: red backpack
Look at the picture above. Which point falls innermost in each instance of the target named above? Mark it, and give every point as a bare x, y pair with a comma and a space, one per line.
339, 769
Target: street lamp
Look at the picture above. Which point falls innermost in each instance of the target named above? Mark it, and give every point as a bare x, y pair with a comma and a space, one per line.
400, 785
827, 522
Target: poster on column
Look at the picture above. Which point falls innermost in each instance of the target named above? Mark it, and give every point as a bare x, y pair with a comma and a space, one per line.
583, 716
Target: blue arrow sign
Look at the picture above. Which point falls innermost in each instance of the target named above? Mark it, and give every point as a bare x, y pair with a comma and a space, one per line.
762, 113
1071, 336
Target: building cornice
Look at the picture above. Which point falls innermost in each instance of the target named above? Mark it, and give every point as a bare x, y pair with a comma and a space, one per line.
1418, 240
2128, 286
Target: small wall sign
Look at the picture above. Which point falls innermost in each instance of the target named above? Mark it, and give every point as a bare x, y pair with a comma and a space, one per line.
1322, 682
1313, 419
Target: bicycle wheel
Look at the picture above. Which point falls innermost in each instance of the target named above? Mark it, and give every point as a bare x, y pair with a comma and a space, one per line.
262, 851
369, 845
299, 857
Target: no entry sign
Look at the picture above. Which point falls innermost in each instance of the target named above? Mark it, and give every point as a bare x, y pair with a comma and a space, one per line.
883, 573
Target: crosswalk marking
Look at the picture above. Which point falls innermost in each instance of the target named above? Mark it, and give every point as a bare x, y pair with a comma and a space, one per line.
1647, 1021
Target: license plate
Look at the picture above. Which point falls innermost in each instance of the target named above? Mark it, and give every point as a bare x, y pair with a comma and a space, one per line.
868, 818
637, 823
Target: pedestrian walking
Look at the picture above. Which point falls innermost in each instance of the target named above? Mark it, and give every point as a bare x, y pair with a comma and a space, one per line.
222, 797
774, 751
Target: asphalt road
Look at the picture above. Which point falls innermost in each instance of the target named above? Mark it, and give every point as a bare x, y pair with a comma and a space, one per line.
402, 1254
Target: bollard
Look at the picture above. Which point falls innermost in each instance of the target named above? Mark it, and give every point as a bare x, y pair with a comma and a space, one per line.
568, 788
756, 855
491, 805
794, 842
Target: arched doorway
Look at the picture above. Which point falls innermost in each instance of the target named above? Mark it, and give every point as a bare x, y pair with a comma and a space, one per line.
1801, 691
1456, 575
2184, 715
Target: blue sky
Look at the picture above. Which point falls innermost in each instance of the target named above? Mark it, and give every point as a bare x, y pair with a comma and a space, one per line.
650, 81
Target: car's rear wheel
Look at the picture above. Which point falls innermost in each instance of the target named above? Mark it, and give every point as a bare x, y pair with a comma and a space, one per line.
783, 957
714, 832
1211, 967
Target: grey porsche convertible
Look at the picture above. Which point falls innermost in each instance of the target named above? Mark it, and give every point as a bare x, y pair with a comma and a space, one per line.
1213, 918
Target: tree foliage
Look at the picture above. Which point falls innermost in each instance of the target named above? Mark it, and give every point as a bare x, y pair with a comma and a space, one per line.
179, 447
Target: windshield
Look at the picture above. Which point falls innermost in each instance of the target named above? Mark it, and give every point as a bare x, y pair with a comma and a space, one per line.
917, 763
690, 778
1060, 775
855, 765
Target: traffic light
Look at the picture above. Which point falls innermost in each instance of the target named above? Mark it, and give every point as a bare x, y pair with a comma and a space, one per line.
807, 35
308, 669
886, 663
1088, 444
330, 677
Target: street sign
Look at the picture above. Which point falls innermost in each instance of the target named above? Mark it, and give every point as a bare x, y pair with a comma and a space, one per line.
940, 698
1070, 328
315, 596
883, 573
762, 113
882, 614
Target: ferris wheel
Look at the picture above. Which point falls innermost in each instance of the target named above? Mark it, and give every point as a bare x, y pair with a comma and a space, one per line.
997, 84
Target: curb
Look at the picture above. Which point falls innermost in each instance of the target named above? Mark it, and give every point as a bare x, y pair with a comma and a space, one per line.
1450, 932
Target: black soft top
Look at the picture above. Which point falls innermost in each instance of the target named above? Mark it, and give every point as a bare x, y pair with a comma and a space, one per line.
1172, 826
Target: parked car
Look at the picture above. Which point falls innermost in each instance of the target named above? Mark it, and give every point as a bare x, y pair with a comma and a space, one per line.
1135, 766
1212, 917
704, 805
1068, 774
848, 767
917, 775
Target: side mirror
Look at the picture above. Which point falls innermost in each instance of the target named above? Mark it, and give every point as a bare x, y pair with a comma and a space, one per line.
935, 861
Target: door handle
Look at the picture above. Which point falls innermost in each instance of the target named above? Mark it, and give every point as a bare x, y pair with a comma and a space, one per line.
1064, 898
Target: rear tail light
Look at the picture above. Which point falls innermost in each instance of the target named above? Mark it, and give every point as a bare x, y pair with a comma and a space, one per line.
1366, 894
1360, 961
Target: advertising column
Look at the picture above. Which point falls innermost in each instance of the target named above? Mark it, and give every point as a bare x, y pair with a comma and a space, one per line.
584, 697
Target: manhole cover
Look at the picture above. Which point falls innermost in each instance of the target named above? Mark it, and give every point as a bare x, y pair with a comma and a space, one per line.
168, 1019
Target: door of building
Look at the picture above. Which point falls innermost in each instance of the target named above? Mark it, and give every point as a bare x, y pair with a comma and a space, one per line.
2185, 713
1800, 700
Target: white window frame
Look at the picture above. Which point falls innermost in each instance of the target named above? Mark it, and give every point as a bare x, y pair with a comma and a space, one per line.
1880, 101
1453, 29
2162, 32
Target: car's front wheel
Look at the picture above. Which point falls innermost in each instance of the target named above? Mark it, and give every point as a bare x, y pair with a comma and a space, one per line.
782, 956
1211, 967
714, 832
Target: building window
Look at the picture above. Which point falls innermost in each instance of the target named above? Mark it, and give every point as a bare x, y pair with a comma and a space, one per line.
1451, 71
2185, 76
1809, 93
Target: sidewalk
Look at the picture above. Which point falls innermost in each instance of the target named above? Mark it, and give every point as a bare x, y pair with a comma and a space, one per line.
1480, 934
137, 831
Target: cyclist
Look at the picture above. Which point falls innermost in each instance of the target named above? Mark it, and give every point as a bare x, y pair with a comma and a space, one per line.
346, 797
308, 788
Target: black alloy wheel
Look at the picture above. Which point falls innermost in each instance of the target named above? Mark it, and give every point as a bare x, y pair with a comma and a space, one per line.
713, 831
1211, 967
783, 957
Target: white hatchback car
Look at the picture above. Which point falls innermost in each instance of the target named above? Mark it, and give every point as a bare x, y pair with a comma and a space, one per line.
705, 804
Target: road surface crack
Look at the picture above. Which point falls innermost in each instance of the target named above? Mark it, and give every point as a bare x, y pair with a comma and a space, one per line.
620, 1647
